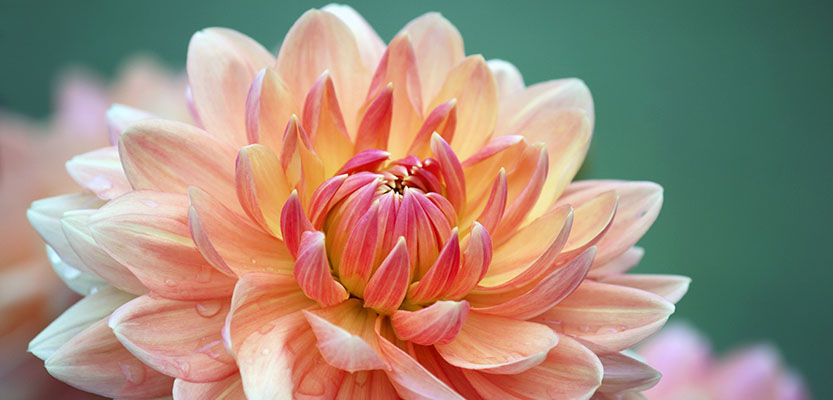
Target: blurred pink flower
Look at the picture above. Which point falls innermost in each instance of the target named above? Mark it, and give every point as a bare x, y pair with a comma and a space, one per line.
32, 157
691, 372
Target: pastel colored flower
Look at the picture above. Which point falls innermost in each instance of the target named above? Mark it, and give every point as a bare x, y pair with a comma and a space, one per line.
355, 220
32, 157
690, 370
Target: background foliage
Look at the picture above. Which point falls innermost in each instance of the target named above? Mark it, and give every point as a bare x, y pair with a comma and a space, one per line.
726, 104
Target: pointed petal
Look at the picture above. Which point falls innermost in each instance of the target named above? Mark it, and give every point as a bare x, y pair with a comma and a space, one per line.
570, 371
437, 323
502, 152
45, 216
472, 84
613, 317
269, 105
100, 171
369, 43
148, 233
475, 264
119, 117
294, 223
638, 208
482, 345
671, 287
496, 205
591, 220
618, 265
455, 182
547, 293
169, 156
312, 270
357, 260
81, 282
230, 388
94, 361
368, 160
280, 361
80, 316
259, 298
178, 338
221, 65
229, 241
79, 236
623, 373
411, 380
452, 376
374, 128
438, 47
398, 67
508, 78
304, 169
262, 187
440, 276
345, 336
523, 189
325, 125
319, 41
366, 385
389, 284
541, 99
443, 120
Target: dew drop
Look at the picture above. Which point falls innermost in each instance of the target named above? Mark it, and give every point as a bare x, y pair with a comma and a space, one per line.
204, 275
254, 261
208, 308
170, 283
213, 349
150, 203
266, 352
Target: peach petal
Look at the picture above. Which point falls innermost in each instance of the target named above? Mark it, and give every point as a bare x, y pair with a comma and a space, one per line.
440, 276
169, 156
76, 280
357, 260
95, 361
541, 99
525, 192
623, 373
443, 120
323, 198
398, 67
480, 169
547, 293
389, 284
437, 323
221, 65
148, 233
452, 171
591, 220
671, 287
438, 47
452, 376
45, 216
75, 319
312, 270
269, 105
318, 42
374, 128
260, 297
325, 125
508, 78
409, 377
230, 388
304, 169
119, 117
570, 371
531, 248
229, 241
638, 208
178, 338
611, 316
80, 237
366, 385
472, 84
294, 223
368, 41
618, 265
475, 264
345, 336
100, 171
496, 205
366, 160
262, 187
482, 344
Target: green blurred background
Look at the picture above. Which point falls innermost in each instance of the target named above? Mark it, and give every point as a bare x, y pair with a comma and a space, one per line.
727, 104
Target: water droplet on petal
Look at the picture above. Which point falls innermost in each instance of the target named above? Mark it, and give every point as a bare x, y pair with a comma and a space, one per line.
170, 283
209, 308
204, 275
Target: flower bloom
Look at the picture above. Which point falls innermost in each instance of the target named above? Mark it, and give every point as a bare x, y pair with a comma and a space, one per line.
31, 157
690, 371
355, 220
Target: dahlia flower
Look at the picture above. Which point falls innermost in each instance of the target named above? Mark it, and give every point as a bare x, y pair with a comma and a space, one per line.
691, 371
355, 220
32, 155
